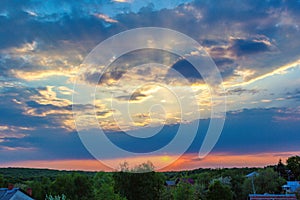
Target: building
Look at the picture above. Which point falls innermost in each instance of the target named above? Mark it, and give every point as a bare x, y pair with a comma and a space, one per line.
252, 174
291, 186
188, 180
13, 194
185, 180
272, 197
170, 183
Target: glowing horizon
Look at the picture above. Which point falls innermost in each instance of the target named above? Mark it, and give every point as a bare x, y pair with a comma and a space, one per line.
213, 161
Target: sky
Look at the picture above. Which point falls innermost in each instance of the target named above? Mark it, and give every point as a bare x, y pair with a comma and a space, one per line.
142, 100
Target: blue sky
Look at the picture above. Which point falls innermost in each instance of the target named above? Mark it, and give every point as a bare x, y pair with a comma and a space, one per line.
255, 45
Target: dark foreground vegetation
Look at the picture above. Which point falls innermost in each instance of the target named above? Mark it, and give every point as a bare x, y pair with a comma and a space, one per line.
210, 184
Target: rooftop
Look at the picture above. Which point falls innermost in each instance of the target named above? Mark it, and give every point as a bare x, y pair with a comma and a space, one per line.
6, 194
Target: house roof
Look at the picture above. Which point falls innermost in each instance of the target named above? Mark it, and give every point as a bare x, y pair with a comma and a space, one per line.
292, 186
188, 180
272, 196
286, 186
6, 194
297, 183
252, 174
170, 183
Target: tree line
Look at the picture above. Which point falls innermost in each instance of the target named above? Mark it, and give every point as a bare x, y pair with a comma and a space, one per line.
208, 184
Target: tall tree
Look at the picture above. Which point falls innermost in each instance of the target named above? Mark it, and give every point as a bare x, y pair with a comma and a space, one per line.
281, 169
267, 181
63, 184
74, 186
219, 191
104, 187
184, 191
83, 188
37, 190
135, 185
293, 163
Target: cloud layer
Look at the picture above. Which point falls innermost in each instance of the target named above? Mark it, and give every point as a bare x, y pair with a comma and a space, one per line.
255, 46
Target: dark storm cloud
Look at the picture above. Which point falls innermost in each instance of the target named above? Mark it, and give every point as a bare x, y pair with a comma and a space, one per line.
55, 38
52, 24
293, 95
240, 91
103, 78
135, 96
242, 47
115, 75
186, 70
186, 21
226, 66
217, 52
213, 42
12, 113
15, 103
127, 62
103, 113
211, 25
223, 61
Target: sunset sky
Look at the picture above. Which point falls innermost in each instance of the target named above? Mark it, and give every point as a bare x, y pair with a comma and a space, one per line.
144, 96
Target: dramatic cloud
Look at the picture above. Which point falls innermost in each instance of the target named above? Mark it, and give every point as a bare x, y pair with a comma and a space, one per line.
242, 47
43, 46
136, 96
186, 69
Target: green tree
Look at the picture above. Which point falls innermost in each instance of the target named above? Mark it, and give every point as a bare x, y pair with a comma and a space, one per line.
237, 186
237, 178
134, 186
75, 186
167, 194
204, 178
2, 181
281, 169
57, 197
37, 190
267, 181
63, 184
39, 187
219, 191
83, 188
139, 183
184, 191
293, 163
200, 191
104, 187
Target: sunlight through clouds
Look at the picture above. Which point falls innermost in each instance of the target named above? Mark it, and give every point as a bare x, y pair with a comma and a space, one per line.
255, 46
